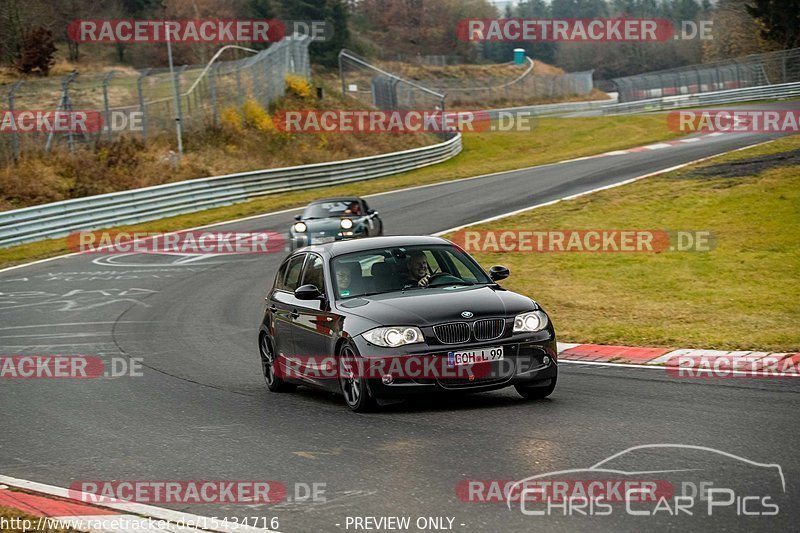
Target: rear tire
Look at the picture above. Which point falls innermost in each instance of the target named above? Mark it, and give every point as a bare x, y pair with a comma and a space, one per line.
537, 393
352, 382
274, 383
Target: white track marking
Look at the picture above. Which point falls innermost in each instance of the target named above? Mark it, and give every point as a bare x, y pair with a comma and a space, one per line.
584, 193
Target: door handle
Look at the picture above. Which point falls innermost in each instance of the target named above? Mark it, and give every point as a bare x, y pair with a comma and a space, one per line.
295, 314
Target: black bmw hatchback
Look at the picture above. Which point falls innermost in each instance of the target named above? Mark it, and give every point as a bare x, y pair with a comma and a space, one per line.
388, 317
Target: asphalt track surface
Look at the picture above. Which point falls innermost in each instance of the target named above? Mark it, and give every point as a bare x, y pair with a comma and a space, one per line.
201, 411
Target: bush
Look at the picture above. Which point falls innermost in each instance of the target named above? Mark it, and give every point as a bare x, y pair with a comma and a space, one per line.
256, 116
37, 51
297, 86
231, 120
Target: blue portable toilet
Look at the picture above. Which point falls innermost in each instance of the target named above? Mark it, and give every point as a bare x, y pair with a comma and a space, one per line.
519, 56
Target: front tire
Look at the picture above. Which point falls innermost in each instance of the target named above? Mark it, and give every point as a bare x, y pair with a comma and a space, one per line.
352, 382
537, 393
274, 383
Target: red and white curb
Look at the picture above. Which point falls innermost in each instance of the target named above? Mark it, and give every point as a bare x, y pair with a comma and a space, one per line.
67, 508
661, 145
758, 363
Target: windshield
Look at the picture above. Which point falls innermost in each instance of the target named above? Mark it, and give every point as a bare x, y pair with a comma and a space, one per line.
392, 269
333, 209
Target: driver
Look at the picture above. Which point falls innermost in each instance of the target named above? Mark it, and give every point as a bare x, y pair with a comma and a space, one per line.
353, 209
419, 272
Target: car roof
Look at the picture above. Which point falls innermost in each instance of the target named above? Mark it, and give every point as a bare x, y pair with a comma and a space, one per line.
337, 248
337, 199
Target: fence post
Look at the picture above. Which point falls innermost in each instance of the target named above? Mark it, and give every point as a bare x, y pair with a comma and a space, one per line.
142, 76
212, 88
341, 74
64, 105
240, 96
107, 111
179, 111
15, 151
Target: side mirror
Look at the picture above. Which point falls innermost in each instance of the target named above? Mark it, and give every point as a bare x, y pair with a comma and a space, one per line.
498, 272
298, 217
372, 212
307, 292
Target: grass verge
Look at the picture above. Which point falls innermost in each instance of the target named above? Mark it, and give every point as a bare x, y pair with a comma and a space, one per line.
552, 140
741, 295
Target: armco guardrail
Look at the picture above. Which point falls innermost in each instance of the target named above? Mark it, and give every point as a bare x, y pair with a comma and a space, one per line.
731, 96
553, 109
140, 205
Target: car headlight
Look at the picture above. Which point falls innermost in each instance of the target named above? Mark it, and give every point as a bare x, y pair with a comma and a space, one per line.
346, 223
532, 321
300, 227
394, 336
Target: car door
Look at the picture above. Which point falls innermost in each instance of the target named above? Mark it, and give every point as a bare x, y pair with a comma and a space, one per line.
312, 328
281, 304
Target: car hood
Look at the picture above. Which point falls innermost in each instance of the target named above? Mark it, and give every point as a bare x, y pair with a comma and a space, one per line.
327, 224
427, 307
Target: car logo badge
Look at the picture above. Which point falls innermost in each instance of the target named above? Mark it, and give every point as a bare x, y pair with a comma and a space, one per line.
467, 314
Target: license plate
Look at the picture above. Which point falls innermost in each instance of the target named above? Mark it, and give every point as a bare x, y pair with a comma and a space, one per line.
324, 240
471, 357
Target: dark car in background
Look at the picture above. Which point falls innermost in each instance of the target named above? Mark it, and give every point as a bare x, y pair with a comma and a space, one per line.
337, 313
335, 219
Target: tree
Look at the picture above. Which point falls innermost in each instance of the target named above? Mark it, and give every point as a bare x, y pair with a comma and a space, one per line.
37, 51
334, 12
735, 32
780, 20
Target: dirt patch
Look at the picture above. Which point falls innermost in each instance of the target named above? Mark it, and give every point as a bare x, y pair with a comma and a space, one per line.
746, 167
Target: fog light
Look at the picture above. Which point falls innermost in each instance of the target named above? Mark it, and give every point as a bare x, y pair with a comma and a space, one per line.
546, 360
387, 379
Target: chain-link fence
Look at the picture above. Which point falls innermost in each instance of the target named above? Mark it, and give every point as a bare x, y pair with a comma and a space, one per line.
748, 71
375, 87
143, 103
471, 92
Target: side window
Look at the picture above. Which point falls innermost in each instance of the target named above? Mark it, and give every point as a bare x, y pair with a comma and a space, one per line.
462, 270
433, 263
314, 274
293, 272
281, 276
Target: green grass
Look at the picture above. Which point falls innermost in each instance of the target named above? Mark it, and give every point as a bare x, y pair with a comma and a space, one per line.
743, 294
552, 140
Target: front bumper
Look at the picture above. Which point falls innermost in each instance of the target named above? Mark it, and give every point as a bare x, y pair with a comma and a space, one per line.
526, 360
300, 240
